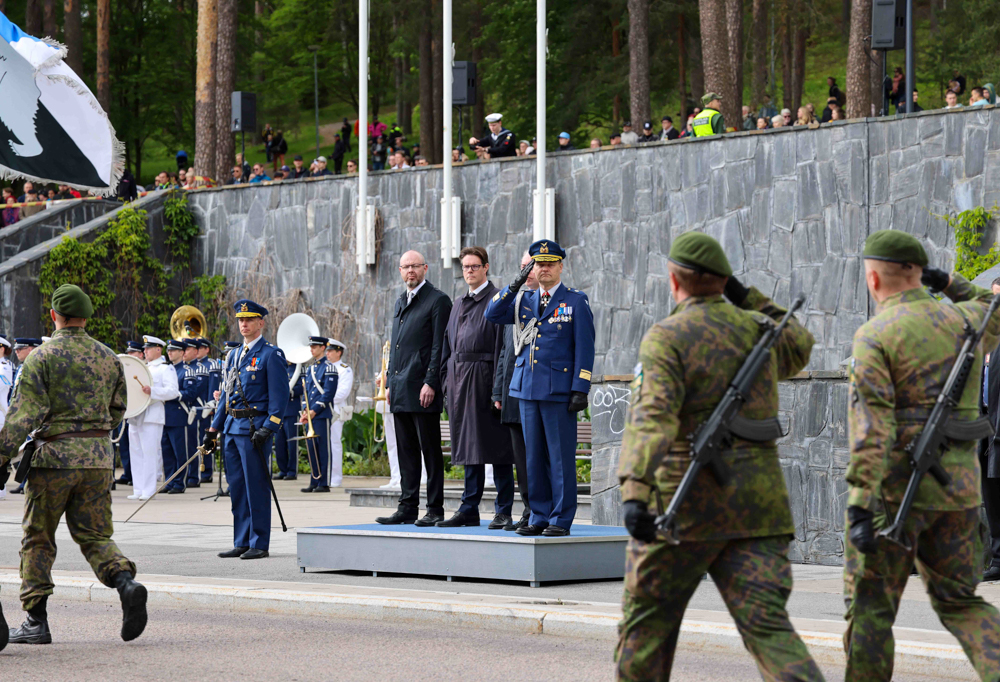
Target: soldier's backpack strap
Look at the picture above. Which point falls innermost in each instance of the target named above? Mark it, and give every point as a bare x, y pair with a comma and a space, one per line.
756, 430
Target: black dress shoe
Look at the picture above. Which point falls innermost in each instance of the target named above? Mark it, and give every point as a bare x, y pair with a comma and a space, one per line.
321, 489
397, 519
31, 632
290, 477
234, 552
255, 554
555, 532
429, 519
530, 529
458, 520
133, 596
500, 521
278, 477
992, 573
4, 630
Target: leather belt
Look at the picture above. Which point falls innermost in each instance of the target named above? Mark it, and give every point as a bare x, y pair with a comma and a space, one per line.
92, 433
474, 357
245, 414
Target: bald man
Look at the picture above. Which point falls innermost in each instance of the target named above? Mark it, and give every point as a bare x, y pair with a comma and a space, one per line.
415, 394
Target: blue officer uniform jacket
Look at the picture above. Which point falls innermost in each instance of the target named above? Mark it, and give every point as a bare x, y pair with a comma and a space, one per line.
561, 358
264, 386
321, 382
174, 414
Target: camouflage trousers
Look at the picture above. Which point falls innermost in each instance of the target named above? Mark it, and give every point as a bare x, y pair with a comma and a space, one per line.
84, 496
948, 552
754, 577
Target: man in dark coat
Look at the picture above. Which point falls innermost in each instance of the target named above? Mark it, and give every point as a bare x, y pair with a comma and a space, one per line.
415, 391
990, 457
510, 412
471, 350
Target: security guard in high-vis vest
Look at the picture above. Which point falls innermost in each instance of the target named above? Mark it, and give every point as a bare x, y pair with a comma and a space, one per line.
321, 386
709, 121
554, 344
251, 407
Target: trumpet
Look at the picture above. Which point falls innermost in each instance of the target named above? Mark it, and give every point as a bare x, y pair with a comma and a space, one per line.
381, 396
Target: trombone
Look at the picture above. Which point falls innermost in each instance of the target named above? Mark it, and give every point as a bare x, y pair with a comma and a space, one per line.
381, 396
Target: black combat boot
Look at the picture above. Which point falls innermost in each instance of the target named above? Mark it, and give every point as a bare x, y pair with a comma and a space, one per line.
133, 596
34, 629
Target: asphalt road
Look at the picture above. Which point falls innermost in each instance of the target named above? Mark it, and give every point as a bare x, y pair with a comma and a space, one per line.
181, 644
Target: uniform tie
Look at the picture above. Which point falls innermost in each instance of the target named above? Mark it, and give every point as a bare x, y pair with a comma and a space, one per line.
544, 300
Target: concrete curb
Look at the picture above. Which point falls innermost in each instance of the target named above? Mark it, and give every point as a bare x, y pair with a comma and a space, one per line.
558, 619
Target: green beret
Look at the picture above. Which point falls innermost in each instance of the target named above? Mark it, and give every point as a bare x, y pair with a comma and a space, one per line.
896, 247
700, 252
70, 301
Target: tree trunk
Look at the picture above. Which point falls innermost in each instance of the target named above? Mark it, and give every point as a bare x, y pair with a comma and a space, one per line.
799, 57
33, 18
204, 103
437, 53
715, 58
50, 24
859, 77
759, 52
103, 54
787, 87
734, 27
73, 35
426, 85
681, 72
638, 61
225, 83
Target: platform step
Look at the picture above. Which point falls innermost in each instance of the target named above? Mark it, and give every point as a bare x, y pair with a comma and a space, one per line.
383, 498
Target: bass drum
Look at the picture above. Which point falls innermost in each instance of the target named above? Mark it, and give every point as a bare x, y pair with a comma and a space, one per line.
136, 376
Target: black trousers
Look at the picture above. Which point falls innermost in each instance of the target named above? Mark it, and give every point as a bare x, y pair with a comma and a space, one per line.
991, 500
418, 434
520, 464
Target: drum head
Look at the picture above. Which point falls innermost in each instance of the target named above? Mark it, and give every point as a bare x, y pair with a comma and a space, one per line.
136, 376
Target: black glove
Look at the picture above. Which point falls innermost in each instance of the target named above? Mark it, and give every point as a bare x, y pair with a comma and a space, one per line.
577, 401
936, 280
639, 522
522, 277
259, 438
862, 533
210, 441
735, 291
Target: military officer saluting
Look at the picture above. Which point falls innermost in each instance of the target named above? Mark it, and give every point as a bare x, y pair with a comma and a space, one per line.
554, 344
738, 533
321, 388
899, 365
251, 405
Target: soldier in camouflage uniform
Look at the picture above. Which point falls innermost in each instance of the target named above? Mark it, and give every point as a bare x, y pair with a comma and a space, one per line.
900, 362
71, 394
739, 533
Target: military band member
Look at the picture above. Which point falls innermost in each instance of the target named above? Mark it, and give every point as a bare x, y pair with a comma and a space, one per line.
174, 441
321, 386
251, 405
71, 395
286, 450
342, 408
899, 364
146, 429
551, 380
739, 533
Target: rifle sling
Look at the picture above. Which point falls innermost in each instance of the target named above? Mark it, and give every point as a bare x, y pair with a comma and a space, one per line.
756, 430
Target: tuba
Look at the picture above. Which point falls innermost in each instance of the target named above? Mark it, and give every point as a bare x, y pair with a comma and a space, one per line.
381, 396
188, 322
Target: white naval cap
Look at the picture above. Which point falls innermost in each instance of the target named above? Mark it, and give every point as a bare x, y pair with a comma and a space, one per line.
334, 343
148, 341
494, 118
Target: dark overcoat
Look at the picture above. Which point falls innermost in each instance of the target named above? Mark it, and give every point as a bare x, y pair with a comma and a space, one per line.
416, 348
471, 350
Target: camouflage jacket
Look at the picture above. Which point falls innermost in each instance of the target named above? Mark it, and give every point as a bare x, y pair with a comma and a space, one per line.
69, 383
900, 362
686, 362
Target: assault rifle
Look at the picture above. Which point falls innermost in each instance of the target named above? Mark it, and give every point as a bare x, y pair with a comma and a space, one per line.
926, 451
716, 433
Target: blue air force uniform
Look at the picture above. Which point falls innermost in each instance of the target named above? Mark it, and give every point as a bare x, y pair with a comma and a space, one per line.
321, 386
556, 361
174, 444
286, 450
255, 391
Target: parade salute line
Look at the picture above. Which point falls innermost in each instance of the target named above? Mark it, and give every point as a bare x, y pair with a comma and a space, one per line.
933, 653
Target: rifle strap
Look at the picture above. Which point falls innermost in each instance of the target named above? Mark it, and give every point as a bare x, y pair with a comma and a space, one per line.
756, 430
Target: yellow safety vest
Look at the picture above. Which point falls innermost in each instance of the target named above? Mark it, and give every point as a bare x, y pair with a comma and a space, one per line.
702, 124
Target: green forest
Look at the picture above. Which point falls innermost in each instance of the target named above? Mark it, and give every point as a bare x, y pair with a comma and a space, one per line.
785, 48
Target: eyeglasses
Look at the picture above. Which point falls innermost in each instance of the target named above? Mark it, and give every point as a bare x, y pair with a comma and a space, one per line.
412, 267
471, 268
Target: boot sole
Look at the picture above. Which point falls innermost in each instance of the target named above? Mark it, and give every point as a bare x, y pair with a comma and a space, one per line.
134, 611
